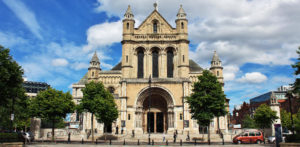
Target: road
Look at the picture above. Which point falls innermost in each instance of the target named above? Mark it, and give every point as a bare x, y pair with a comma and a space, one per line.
93, 145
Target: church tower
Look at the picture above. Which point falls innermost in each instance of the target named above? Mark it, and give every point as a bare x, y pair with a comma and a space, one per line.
181, 28
94, 69
216, 67
128, 31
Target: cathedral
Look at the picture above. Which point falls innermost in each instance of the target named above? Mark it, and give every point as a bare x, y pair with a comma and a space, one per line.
153, 79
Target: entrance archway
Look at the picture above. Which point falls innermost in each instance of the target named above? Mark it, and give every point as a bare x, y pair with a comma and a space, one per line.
160, 116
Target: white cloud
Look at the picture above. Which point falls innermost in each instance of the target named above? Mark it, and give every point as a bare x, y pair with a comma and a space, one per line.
10, 39
25, 15
60, 62
253, 77
229, 72
80, 65
102, 35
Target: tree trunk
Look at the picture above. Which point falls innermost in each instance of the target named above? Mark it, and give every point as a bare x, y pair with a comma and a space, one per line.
92, 127
208, 134
218, 120
53, 121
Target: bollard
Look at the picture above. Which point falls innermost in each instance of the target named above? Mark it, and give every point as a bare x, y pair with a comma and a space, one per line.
195, 142
124, 142
138, 142
152, 142
82, 141
180, 142
110, 142
167, 143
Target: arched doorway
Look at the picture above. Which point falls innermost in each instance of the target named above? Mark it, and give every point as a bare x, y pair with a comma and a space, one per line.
154, 111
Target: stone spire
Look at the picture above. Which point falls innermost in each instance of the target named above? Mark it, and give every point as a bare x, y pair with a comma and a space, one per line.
95, 63
95, 58
216, 62
181, 14
215, 57
128, 14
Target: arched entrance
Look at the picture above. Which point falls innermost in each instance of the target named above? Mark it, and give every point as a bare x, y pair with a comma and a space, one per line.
154, 111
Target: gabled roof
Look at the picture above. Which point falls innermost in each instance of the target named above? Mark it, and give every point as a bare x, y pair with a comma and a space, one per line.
153, 13
194, 67
118, 66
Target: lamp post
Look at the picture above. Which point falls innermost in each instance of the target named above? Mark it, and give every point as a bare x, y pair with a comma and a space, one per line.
149, 103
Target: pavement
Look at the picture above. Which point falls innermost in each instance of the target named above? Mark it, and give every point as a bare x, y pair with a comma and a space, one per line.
116, 144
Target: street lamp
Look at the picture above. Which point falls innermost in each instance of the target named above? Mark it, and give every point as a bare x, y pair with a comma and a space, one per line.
149, 103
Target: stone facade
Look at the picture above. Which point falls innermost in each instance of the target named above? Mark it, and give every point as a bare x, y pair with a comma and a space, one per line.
156, 52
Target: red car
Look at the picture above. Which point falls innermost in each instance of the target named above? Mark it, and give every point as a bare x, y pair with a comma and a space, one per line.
249, 137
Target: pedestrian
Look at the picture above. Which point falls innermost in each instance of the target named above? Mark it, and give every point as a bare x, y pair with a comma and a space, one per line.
69, 137
122, 130
175, 136
188, 136
164, 137
117, 129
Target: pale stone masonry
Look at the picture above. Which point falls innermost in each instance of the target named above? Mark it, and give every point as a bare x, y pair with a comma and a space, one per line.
154, 49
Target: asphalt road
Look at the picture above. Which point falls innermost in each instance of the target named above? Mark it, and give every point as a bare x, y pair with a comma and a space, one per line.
93, 145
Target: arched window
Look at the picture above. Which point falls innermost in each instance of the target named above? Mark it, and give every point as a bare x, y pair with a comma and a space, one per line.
127, 25
155, 27
155, 64
92, 74
170, 65
111, 89
218, 73
140, 73
182, 25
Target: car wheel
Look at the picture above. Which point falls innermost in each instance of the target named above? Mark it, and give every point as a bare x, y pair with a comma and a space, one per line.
258, 142
239, 142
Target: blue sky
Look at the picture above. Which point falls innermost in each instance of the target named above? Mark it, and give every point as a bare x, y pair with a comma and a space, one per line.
53, 40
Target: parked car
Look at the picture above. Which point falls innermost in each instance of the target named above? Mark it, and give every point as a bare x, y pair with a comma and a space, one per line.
249, 137
28, 136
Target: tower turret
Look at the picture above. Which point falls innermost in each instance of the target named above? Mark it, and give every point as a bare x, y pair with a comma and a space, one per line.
128, 21
181, 21
216, 67
94, 69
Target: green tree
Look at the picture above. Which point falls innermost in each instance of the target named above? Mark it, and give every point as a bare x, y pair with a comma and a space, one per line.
99, 102
10, 77
207, 100
52, 105
297, 121
13, 98
264, 116
285, 118
296, 66
248, 122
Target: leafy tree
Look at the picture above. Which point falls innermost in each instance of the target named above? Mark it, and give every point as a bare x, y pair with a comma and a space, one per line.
13, 99
296, 85
10, 77
297, 121
52, 105
99, 102
285, 118
207, 100
248, 122
264, 116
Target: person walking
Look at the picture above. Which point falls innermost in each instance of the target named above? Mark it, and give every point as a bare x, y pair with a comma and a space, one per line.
164, 137
175, 136
117, 129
